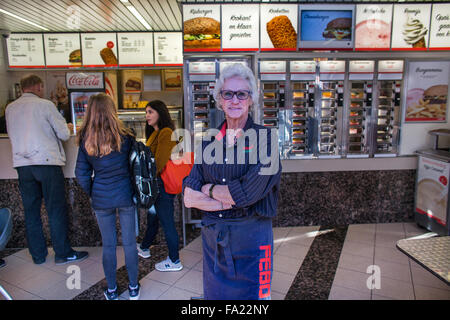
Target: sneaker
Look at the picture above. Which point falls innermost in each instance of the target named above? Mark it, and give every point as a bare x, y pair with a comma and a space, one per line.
168, 265
144, 253
111, 295
38, 261
134, 293
2, 263
77, 256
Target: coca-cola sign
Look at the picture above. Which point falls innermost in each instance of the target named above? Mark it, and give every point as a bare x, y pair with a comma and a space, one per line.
84, 80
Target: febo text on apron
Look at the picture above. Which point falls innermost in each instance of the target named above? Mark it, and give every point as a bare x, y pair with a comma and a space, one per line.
237, 258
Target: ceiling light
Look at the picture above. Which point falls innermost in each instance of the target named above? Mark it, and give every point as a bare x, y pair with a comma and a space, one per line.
138, 16
24, 20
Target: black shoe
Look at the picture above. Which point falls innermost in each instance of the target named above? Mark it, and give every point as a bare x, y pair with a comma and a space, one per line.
2, 263
39, 261
77, 256
114, 295
134, 293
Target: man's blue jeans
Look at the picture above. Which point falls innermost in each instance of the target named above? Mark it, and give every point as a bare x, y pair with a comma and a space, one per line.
164, 213
107, 223
35, 183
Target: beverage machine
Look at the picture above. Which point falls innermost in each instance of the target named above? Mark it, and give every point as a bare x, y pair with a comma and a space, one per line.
300, 112
387, 112
329, 108
272, 76
357, 122
80, 86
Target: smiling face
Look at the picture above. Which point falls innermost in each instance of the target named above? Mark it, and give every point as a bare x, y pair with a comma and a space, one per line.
152, 117
234, 108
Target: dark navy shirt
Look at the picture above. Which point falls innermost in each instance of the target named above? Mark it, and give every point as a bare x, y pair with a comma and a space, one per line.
252, 192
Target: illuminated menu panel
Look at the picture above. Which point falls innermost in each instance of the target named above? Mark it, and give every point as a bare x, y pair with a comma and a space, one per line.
278, 27
25, 50
168, 48
99, 49
440, 27
373, 27
135, 49
62, 50
240, 27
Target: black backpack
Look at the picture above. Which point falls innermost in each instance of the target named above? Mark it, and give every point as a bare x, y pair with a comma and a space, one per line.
143, 174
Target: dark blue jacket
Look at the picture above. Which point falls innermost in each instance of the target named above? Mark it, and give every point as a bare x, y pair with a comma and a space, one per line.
106, 179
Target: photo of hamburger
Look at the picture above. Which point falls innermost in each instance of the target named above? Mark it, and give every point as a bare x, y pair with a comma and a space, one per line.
427, 104
173, 82
75, 58
108, 56
436, 96
281, 32
339, 29
201, 32
133, 84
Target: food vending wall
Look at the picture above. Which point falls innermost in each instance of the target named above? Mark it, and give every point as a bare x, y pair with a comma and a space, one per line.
300, 111
272, 76
387, 111
80, 87
329, 108
200, 111
358, 116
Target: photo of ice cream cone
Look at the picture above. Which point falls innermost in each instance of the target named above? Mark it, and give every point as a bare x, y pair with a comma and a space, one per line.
419, 44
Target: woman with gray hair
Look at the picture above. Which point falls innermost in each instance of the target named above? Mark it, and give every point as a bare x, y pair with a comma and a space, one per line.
236, 195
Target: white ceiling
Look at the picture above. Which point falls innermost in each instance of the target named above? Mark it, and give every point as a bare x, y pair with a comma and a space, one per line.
109, 15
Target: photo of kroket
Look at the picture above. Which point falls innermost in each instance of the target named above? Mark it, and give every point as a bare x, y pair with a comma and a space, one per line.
281, 32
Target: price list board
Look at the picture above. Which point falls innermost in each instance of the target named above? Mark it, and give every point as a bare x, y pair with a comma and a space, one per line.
25, 50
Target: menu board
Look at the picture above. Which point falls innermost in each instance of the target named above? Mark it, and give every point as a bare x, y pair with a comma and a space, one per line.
135, 49
373, 27
426, 98
240, 27
303, 67
410, 30
168, 49
202, 67
272, 67
25, 50
361, 69
390, 69
332, 70
278, 27
201, 27
99, 49
440, 27
62, 50
326, 26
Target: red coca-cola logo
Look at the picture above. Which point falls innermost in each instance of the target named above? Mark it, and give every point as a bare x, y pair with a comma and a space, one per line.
84, 81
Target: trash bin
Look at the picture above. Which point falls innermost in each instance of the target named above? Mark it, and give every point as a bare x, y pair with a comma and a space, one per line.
432, 191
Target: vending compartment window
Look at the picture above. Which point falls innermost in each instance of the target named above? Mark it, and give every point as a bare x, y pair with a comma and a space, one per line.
356, 121
327, 148
357, 85
355, 139
299, 114
355, 131
355, 148
298, 141
200, 125
201, 108
298, 95
327, 113
299, 105
269, 95
270, 123
356, 113
386, 85
299, 86
329, 122
327, 139
269, 86
297, 123
298, 132
328, 85
298, 149
328, 94
270, 105
384, 147
356, 95
270, 114
383, 121
200, 116
386, 94
200, 87
328, 104
384, 112
201, 97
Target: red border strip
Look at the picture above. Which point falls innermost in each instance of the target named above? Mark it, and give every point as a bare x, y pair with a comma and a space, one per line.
100, 65
136, 65
372, 49
240, 49
200, 49
440, 48
278, 49
431, 216
169, 65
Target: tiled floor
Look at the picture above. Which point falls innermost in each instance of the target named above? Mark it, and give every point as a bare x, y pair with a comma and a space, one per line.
365, 245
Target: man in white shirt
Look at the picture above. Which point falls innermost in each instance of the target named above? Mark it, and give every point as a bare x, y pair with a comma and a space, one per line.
35, 129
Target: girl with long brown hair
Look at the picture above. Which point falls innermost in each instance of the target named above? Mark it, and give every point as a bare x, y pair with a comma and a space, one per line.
103, 172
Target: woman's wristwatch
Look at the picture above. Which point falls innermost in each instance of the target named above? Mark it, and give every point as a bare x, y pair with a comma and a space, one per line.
211, 191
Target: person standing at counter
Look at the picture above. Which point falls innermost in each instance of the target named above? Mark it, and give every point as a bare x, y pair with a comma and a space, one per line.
237, 196
104, 145
159, 128
36, 129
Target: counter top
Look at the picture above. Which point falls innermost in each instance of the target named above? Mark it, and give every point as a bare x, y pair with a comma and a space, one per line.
295, 165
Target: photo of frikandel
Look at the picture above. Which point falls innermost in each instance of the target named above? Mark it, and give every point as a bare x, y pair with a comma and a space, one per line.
219, 159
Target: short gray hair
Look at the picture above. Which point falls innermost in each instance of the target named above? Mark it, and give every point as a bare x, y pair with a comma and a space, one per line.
241, 71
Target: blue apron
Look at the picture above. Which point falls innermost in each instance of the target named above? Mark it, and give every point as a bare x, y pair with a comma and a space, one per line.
237, 258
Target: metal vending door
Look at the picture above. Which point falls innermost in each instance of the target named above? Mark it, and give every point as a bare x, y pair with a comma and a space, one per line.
358, 114
329, 110
300, 110
387, 111
272, 77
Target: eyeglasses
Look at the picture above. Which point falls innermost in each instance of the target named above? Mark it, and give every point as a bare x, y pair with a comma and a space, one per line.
241, 94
